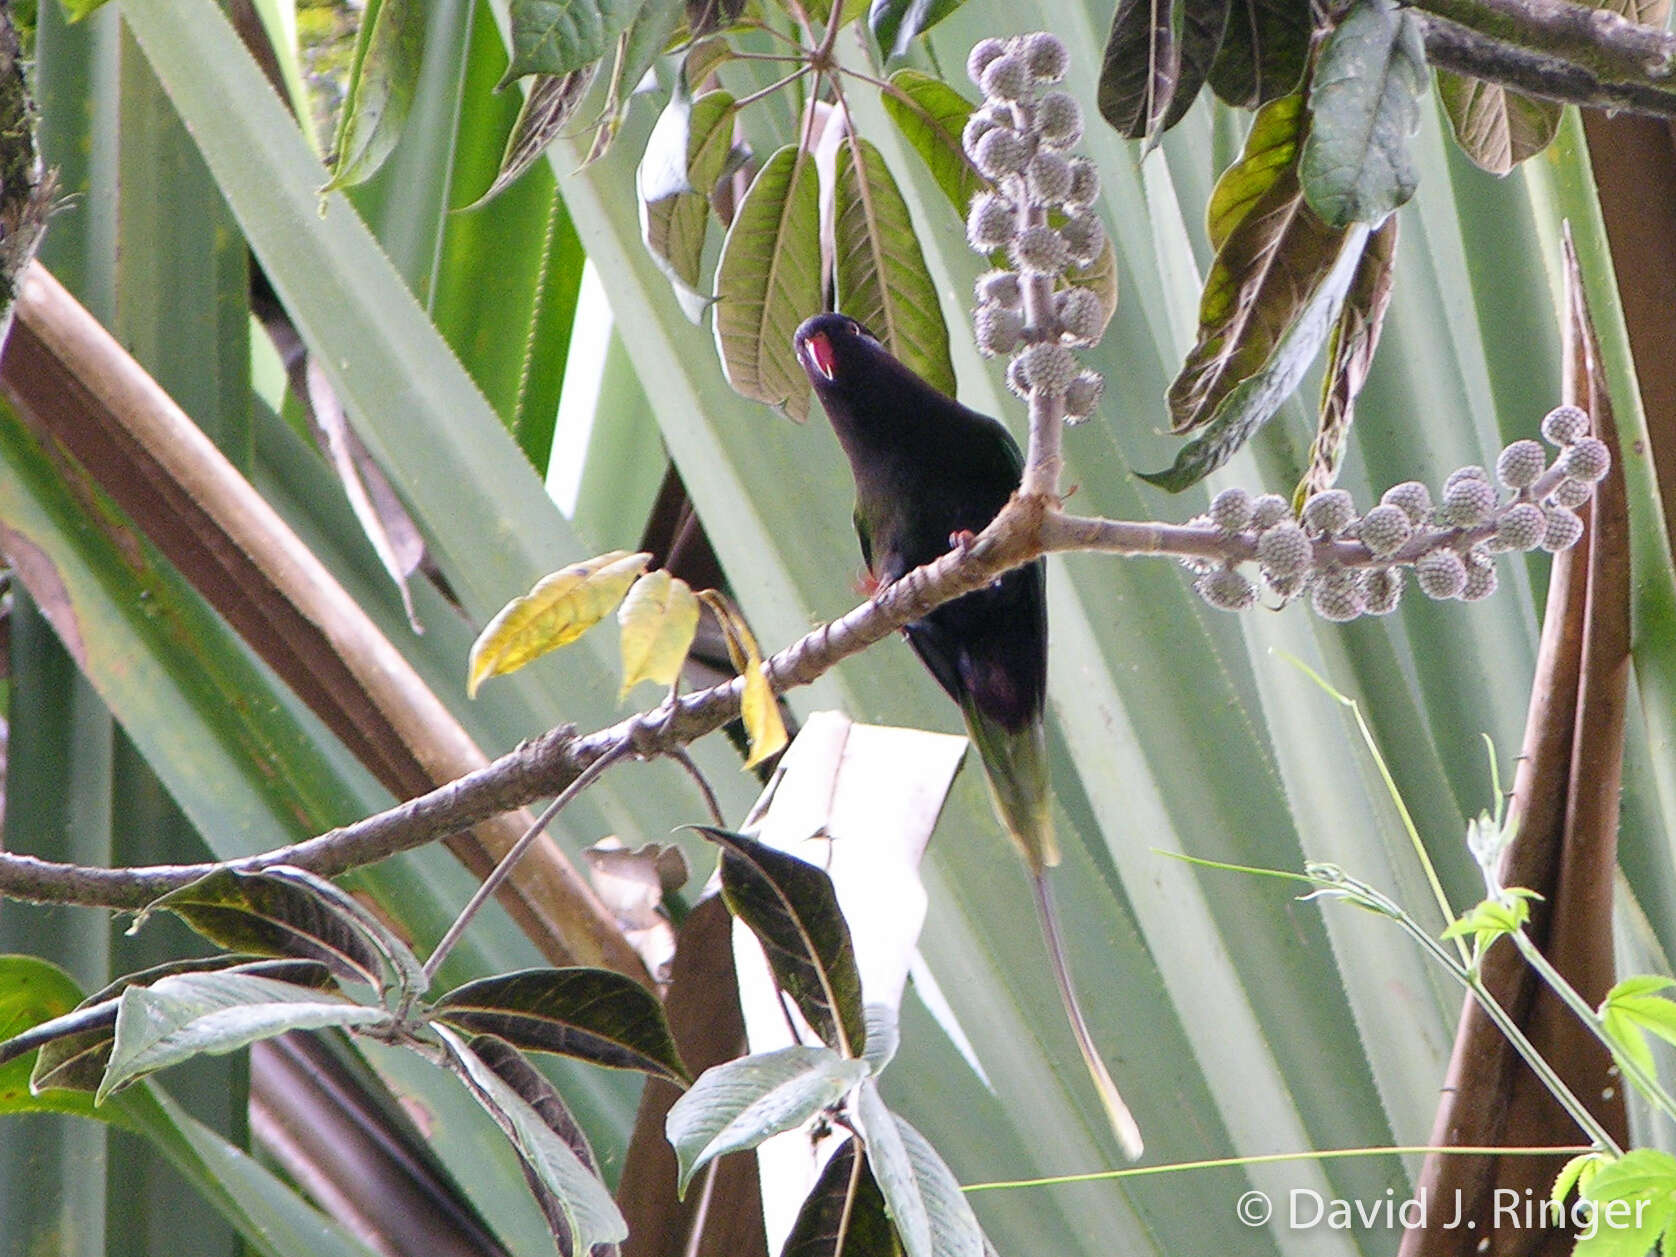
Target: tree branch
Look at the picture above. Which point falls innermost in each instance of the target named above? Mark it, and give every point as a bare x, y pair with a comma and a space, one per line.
1451, 46
1602, 42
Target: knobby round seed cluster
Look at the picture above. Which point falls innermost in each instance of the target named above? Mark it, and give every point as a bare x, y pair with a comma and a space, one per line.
1349, 565
1040, 213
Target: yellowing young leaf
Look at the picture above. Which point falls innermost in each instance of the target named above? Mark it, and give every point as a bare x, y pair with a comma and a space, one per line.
764, 729
555, 613
658, 619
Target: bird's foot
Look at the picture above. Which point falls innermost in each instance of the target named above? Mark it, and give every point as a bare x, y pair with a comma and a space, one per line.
962, 540
866, 584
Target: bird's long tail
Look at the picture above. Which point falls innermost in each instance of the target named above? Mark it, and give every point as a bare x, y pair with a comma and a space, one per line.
1122, 1121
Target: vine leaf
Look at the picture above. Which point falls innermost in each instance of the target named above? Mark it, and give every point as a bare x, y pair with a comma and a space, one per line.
845, 1203
897, 23
758, 708
1349, 357
1632, 1010
529, 1112
1365, 102
591, 1014
740, 1103
791, 907
191, 1014
1139, 68
658, 619
1638, 1190
685, 156
389, 51
560, 608
1264, 51
932, 119
878, 270
1496, 127
558, 36
768, 280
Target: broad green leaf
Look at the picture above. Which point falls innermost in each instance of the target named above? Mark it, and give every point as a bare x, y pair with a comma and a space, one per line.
182, 1016
550, 102
683, 160
893, 1169
560, 608
740, 1103
33, 992
592, 1014
272, 915
1265, 47
76, 10
647, 38
884, 1035
759, 710
76, 1048
954, 1227
1635, 1202
1269, 156
790, 906
843, 1204
1365, 102
1200, 25
878, 270
388, 53
769, 280
589, 1213
1139, 68
1496, 127
931, 116
1349, 356
558, 36
897, 23
658, 620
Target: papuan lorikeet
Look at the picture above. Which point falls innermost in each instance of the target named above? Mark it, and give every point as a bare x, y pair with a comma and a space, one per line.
930, 474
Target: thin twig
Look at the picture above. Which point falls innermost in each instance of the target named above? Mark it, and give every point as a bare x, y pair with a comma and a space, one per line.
680, 756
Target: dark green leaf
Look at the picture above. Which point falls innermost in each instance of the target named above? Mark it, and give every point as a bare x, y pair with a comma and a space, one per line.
1365, 102
931, 116
896, 23
1200, 25
592, 1014
1139, 68
1496, 127
844, 1214
878, 270
550, 101
1273, 258
790, 906
769, 280
1253, 401
532, 1087
589, 1215
924, 1197
388, 54
269, 914
648, 37
76, 1048
188, 1014
558, 36
740, 1103
1349, 356
1265, 47
683, 160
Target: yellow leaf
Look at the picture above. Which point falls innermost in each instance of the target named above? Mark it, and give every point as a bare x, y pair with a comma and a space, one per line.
555, 613
659, 618
764, 729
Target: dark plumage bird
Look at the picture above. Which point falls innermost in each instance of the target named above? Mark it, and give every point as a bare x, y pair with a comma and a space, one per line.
930, 473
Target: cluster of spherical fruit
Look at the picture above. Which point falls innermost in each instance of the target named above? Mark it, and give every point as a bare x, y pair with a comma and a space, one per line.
1350, 565
1040, 212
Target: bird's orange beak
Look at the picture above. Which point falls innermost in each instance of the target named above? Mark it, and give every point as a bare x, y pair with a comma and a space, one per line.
817, 350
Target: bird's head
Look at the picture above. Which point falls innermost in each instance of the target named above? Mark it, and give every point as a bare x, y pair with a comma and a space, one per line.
835, 350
